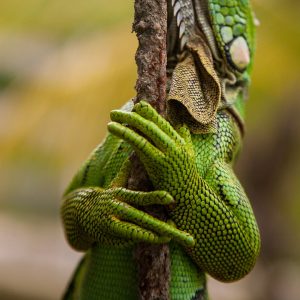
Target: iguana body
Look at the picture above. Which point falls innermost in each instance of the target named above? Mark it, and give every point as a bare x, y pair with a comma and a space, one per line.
213, 228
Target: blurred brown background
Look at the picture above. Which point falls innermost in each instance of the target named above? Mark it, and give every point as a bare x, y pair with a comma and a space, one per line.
64, 64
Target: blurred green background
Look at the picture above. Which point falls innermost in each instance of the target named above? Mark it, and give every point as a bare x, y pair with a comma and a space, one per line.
63, 66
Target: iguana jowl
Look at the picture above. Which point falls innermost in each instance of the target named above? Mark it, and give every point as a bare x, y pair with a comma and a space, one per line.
210, 54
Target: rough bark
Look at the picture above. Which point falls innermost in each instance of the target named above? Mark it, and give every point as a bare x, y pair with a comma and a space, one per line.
150, 25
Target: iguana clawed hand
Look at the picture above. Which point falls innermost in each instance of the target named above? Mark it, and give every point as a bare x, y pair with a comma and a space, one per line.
168, 155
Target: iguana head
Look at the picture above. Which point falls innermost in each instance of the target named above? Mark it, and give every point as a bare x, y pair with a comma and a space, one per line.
213, 40
228, 27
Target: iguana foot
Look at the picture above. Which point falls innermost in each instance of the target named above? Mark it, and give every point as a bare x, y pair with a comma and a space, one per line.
108, 217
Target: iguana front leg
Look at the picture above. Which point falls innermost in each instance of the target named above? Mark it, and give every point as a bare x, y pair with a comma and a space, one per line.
221, 222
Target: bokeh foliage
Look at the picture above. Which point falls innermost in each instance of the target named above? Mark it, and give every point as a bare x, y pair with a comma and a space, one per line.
65, 64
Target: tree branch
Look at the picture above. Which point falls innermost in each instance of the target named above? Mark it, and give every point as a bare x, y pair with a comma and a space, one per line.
150, 25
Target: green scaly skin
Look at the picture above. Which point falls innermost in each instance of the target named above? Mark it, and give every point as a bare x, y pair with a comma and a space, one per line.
212, 228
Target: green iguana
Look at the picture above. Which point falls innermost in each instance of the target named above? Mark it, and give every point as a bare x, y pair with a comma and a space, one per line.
212, 228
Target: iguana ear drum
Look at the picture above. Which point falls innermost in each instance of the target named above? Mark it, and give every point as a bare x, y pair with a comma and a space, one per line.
239, 54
